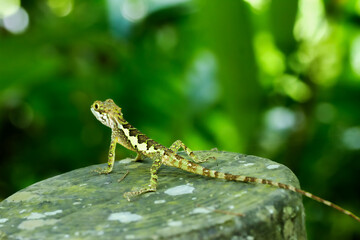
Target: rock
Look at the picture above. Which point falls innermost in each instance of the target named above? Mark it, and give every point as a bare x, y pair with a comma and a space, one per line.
84, 205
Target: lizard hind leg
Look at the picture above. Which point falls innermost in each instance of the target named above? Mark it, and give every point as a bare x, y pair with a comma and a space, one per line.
179, 144
153, 182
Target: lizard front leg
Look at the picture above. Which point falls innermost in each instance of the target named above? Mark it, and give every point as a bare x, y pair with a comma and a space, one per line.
111, 157
153, 181
179, 144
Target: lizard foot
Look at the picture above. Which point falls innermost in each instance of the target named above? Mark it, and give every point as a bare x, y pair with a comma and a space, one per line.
102, 170
146, 189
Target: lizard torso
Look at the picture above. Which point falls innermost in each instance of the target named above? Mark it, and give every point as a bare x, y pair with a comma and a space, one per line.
110, 114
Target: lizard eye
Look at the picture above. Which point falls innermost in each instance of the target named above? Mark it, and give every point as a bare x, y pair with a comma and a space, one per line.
96, 106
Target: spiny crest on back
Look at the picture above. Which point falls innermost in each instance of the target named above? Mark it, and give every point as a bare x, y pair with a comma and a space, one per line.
107, 112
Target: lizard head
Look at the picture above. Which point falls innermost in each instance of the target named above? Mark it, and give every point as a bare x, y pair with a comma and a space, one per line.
107, 112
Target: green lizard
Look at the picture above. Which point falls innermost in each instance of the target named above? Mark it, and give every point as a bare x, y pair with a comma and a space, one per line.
110, 114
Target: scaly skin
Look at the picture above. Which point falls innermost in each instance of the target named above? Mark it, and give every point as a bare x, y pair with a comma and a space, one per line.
110, 114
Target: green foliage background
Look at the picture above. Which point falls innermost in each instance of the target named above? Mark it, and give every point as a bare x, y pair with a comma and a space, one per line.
274, 78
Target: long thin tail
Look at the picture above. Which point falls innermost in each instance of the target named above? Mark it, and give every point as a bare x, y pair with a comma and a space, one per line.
188, 166
289, 187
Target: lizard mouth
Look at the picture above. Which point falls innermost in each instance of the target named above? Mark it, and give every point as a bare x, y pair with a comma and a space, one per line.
96, 114
101, 117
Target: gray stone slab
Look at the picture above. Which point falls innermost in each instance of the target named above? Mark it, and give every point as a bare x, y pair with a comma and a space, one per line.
84, 205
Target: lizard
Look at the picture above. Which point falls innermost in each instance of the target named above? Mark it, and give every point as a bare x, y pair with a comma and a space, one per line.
123, 133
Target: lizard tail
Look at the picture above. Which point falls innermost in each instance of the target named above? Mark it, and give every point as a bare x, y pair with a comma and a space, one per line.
197, 169
240, 178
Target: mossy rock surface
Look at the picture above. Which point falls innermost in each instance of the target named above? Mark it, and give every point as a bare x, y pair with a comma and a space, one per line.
84, 205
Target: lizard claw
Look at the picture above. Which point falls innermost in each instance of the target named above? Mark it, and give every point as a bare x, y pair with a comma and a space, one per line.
127, 195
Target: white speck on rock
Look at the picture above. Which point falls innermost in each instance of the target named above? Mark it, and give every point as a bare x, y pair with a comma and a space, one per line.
32, 224
53, 213
180, 190
271, 209
124, 217
159, 201
175, 223
240, 194
3, 220
273, 166
76, 203
129, 236
126, 161
83, 184
248, 164
242, 161
22, 211
201, 210
35, 215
